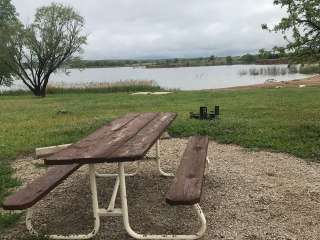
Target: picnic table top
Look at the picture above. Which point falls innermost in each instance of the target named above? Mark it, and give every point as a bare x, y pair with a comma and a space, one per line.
125, 139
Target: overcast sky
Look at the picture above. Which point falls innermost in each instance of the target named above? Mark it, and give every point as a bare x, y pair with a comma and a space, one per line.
169, 28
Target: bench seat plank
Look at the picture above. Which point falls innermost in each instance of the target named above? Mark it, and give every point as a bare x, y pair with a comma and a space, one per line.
187, 185
36, 190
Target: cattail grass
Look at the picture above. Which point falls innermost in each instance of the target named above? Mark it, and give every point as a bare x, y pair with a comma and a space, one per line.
92, 87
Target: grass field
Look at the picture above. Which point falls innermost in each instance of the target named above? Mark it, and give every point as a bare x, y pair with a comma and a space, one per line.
283, 120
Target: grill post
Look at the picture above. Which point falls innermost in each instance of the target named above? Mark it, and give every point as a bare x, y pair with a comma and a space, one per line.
203, 113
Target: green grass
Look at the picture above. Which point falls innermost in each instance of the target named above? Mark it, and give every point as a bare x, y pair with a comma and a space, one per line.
281, 120
8, 220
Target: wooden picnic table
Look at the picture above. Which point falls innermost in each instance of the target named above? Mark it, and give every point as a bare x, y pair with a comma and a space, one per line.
124, 139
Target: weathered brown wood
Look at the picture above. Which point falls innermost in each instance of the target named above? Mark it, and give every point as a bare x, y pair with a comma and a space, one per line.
101, 147
98, 146
186, 188
106, 130
33, 192
138, 146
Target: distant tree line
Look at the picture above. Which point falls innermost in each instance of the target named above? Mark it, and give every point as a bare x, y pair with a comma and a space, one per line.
182, 62
100, 63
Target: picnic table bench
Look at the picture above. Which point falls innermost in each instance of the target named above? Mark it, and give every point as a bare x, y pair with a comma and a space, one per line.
125, 139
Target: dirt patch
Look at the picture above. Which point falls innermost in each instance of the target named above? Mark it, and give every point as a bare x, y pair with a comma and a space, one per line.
306, 82
247, 195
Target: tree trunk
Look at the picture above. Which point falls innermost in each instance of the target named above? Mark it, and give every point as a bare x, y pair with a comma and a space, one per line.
37, 91
43, 91
40, 90
44, 85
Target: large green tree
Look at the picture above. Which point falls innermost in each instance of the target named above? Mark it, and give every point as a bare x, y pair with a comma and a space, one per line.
301, 28
9, 24
36, 51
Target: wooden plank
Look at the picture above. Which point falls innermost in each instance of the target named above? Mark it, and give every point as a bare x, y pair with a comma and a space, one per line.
107, 129
144, 139
46, 151
33, 192
186, 188
98, 146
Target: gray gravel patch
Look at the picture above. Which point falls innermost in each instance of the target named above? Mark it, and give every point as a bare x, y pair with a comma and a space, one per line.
247, 195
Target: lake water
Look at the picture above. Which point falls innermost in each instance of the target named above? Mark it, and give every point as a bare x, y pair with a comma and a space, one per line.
185, 78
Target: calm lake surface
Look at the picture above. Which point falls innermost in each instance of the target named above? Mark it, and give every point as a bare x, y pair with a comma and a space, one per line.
185, 78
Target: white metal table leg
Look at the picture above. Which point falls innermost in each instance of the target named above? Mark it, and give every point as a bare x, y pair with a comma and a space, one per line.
95, 207
132, 233
29, 223
208, 166
114, 195
159, 161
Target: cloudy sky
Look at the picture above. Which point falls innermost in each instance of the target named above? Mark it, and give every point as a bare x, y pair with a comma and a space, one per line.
169, 28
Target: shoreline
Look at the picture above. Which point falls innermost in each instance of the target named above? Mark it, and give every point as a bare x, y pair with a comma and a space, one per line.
300, 83
305, 82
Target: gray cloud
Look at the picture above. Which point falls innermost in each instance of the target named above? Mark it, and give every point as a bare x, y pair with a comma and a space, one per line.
170, 28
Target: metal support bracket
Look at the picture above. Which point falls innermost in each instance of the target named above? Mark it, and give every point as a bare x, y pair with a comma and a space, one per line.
155, 158
163, 173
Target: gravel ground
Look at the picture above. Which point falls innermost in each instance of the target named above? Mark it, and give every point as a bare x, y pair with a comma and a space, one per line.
247, 195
